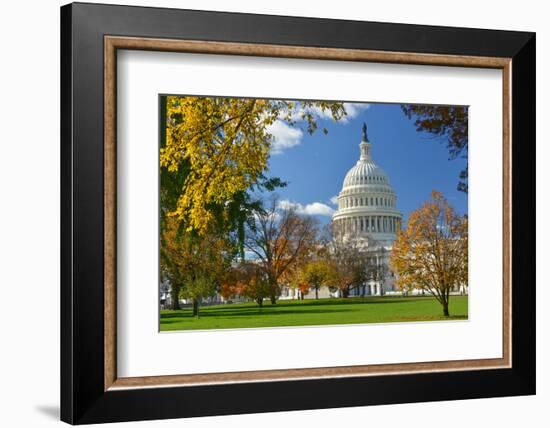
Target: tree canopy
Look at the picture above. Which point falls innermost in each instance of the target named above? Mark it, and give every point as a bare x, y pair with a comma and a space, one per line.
222, 145
431, 253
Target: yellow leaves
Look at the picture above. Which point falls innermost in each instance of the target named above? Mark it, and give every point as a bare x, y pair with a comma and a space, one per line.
317, 273
225, 144
223, 141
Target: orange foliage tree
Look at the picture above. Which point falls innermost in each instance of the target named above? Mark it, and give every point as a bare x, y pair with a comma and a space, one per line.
279, 240
248, 280
431, 253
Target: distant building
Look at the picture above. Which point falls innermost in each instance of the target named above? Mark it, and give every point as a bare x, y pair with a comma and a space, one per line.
367, 212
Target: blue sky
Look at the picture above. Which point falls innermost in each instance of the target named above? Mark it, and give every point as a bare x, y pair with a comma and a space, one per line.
314, 166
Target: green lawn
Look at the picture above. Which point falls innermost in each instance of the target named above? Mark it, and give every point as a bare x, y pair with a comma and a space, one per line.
355, 310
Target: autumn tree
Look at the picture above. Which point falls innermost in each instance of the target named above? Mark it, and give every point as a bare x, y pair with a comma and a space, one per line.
216, 148
278, 238
350, 262
194, 265
317, 273
255, 284
349, 255
431, 253
446, 123
246, 279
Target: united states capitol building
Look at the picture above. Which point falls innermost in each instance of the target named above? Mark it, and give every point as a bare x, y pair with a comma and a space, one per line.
367, 216
367, 212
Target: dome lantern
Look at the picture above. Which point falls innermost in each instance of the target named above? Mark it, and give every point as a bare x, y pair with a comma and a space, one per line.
365, 146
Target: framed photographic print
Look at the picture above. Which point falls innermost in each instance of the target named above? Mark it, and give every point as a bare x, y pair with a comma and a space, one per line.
266, 213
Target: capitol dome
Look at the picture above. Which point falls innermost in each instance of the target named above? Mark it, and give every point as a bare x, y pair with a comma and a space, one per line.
365, 172
367, 203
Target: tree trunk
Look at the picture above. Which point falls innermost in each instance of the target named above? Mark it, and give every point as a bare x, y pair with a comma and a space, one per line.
446, 309
260, 301
273, 291
316, 292
345, 292
196, 308
175, 294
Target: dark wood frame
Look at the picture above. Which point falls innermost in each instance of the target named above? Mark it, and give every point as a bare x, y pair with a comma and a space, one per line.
90, 390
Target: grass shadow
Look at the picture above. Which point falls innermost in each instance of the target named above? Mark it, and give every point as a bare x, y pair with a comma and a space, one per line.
167, 318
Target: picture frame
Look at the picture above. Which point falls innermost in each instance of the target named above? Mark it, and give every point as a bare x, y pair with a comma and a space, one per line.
91, 391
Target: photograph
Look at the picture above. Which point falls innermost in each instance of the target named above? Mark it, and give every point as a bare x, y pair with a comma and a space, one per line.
287, 213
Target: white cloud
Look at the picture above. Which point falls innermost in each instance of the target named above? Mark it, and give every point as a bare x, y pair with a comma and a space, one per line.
354, 109
316, 208
284, 136
334, 200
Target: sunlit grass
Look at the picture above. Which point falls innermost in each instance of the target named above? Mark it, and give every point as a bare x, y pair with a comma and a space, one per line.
356, 310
